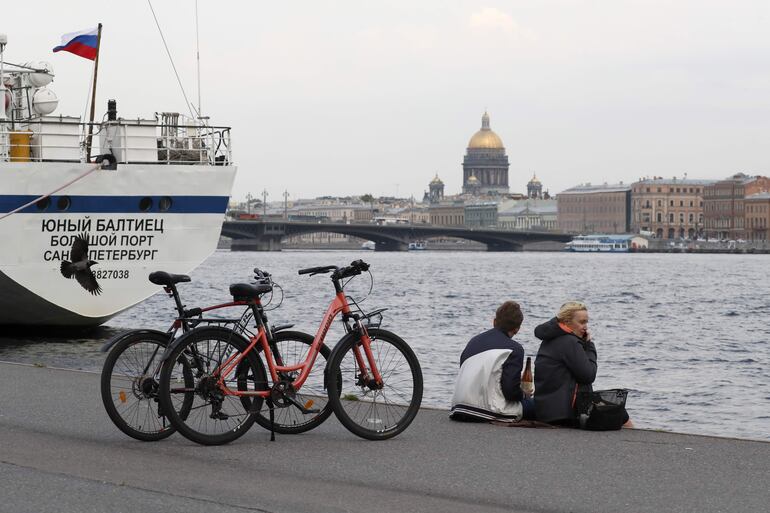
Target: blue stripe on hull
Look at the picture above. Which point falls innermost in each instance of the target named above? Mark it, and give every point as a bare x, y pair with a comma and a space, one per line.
116, 204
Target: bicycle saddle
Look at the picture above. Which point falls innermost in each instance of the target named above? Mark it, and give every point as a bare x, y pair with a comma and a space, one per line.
243, 291
166, 279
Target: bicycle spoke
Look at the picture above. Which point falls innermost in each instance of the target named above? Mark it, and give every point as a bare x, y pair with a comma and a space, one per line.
201, 408
378, 412
129, 391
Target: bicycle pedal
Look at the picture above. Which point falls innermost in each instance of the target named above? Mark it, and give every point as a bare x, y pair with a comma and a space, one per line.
301, 407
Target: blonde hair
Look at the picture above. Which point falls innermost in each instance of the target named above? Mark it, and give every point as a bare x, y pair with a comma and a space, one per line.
569, 309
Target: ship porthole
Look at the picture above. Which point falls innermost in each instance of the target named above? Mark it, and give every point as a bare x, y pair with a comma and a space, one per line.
145, 204
164, 204
44, 203
63, 203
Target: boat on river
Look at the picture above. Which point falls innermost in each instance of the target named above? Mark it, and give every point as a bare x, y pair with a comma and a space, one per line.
84, 219
601, 244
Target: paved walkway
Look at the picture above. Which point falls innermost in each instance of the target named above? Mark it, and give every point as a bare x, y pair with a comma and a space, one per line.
60, 453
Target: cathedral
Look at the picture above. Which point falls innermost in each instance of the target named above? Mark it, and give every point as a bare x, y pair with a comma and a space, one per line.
485, 171
485, 166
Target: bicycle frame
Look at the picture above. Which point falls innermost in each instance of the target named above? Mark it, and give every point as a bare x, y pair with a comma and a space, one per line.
338, 305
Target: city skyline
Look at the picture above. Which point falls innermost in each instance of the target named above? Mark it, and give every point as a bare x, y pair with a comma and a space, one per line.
354, 99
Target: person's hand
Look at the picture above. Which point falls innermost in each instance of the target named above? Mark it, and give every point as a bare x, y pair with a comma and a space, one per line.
587, 336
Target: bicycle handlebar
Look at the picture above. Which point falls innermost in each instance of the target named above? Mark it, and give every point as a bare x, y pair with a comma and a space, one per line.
355, 268
260, 274
262, 277
316, 270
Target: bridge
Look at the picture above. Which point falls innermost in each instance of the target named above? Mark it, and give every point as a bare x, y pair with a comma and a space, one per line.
266, 235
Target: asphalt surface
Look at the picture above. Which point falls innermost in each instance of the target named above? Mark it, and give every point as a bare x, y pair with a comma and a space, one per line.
60, 453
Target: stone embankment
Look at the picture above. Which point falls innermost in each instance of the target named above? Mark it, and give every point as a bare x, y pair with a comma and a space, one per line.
60, 453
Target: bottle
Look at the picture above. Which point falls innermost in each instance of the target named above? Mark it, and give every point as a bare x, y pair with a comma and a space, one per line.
527, 382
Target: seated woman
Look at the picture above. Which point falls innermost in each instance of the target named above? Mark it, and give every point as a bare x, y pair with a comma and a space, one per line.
565, 361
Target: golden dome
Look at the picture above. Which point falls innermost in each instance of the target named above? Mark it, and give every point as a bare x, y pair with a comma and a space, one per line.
485, 138
534, 180
436, 181
472, 180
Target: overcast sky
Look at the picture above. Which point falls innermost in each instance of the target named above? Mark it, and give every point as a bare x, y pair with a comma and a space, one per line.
353, 97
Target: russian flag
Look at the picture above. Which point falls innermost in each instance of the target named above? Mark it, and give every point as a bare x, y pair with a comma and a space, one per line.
81, 43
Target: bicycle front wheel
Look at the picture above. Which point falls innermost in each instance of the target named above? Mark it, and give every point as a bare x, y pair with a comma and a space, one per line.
367, 410
129, 386
214, 417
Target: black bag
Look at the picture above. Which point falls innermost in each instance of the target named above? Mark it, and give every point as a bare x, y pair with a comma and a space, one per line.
601, 410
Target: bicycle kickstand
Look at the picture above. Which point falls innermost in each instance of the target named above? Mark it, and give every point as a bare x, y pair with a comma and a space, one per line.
272, 419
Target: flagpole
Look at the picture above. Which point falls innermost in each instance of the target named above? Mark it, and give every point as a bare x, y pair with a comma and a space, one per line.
93, 94
3, 126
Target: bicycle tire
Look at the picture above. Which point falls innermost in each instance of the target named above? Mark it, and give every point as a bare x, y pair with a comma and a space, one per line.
129, 394
213, 418
293, 346
372, 414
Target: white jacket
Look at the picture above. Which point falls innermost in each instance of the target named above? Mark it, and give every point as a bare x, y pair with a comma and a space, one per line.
477, 390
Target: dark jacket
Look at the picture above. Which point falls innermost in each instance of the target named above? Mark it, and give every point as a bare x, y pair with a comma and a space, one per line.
510, 382
563, 361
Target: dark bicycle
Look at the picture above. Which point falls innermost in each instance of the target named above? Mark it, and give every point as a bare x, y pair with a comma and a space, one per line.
129, 379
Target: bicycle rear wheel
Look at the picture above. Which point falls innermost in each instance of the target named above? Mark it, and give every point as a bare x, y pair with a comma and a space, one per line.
129, 386
293, 346
214, 418
371, 412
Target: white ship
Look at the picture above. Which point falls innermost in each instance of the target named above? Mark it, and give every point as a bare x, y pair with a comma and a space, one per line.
156, 201
605, 243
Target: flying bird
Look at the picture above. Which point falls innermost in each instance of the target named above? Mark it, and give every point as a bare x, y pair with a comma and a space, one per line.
80, 267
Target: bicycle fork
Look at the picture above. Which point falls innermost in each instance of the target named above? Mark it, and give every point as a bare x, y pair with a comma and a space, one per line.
370, 378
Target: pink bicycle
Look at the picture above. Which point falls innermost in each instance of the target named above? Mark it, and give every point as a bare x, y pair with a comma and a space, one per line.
214, 385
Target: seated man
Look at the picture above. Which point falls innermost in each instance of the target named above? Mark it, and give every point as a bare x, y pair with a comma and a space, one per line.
488, 385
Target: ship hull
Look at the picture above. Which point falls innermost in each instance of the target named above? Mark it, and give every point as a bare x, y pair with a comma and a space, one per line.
138, 219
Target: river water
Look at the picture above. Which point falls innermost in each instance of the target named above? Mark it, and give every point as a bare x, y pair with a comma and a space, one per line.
688, 334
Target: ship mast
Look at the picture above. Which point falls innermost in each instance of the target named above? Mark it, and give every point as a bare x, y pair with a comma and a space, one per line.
93, 95
198, 57
3, 130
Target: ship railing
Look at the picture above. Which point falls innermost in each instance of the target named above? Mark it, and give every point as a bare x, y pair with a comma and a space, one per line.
139, 141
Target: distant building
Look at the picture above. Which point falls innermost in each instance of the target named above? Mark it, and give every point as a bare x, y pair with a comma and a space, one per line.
436, 190
528, 214
334, 213
485, 166
724, 205
481, 215
757, 208
447, 213
415, 214
594, 209
668, 208
535, 188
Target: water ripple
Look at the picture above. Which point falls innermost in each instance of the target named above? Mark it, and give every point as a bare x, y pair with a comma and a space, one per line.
680, 331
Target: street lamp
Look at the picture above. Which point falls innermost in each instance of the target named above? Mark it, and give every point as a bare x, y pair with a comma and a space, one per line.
264, 203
